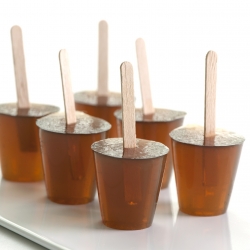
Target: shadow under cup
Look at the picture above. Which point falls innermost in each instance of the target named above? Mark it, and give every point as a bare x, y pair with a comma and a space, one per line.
204, 176
128, 188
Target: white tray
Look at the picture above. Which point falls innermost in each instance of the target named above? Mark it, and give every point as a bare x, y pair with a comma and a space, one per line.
25, 210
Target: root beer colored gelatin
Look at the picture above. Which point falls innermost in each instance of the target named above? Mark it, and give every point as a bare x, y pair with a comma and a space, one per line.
19, 141
156, 127
67, 157
151, 123
128, 181
205, 169
99, 106
128, 170
65, 140
205, 159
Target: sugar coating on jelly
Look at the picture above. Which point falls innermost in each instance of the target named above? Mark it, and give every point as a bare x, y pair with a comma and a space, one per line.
91, 98
194, 135
145, 149
85, 124
35, 110
160, 115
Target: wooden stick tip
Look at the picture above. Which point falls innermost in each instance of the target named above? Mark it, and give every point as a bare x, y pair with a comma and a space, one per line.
126, 66
16, 30
139, 41
16, 27
103, 24
211, 55
63, 53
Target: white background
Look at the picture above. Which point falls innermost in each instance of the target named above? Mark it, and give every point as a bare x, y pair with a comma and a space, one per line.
178, 35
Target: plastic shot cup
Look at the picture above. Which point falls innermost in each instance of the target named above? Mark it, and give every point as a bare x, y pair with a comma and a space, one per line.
99, 106
20, 154
156, 127
128, 181
204, 170
67, 157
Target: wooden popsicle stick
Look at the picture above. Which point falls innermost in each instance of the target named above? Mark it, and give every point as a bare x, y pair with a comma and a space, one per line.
142, 62
128, 108
69, 103
103, 60
210, 94
19, 68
